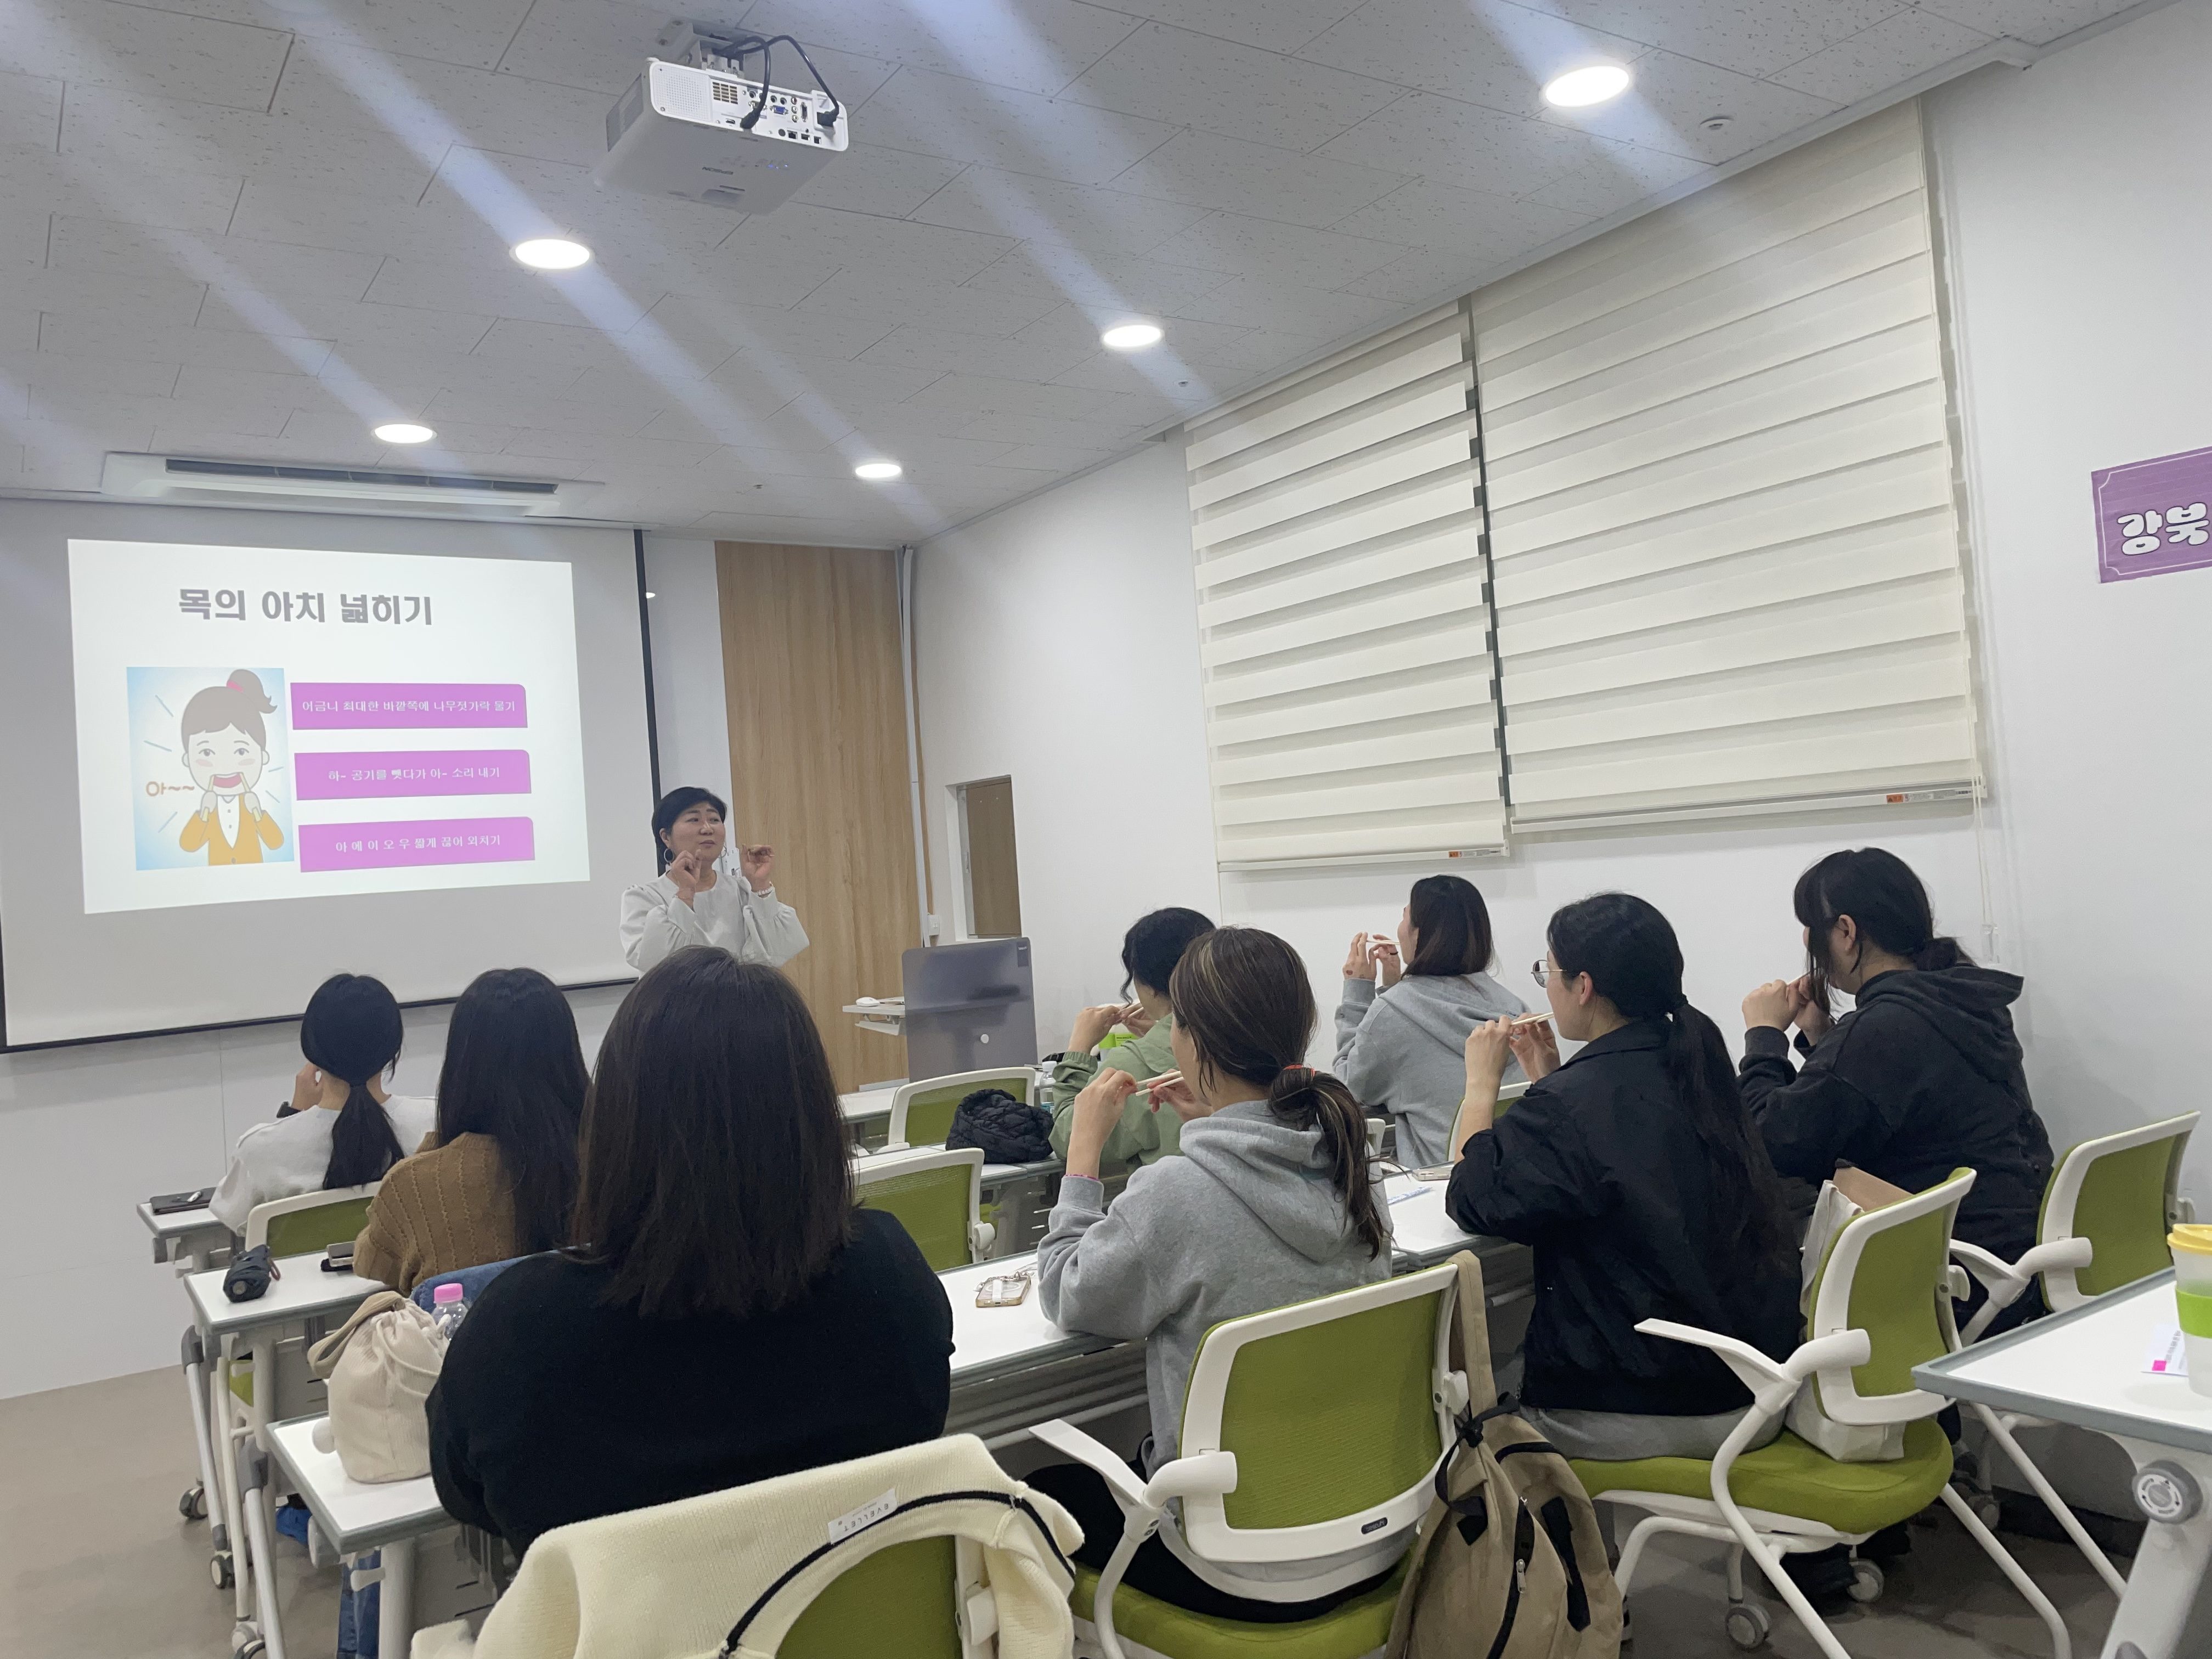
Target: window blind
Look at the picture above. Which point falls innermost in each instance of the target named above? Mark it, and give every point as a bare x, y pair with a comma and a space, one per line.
1344, 628
1723, 530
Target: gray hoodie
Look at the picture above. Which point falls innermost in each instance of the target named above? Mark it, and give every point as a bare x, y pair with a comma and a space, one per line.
1245, 1220
1404, 1052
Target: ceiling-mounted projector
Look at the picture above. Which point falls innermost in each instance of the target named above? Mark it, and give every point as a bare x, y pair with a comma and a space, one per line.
706, 129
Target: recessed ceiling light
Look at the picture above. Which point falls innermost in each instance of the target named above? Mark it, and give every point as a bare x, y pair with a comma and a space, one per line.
403, 432
877, 472
1591, 84
552, 253
650, 594
1131, 337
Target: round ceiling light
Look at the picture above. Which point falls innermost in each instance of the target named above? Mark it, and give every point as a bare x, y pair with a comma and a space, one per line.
1593, 83
1131, 337
877, 472
403, 432
552, 253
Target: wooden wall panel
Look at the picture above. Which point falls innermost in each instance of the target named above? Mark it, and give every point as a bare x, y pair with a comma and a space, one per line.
818, 758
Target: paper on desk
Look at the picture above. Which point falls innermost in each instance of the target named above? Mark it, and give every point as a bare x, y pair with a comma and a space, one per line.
2166, 1354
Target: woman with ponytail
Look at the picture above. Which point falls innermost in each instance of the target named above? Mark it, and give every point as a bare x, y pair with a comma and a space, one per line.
342, 1129
1272, 1201
1922, 1077
1634, 1171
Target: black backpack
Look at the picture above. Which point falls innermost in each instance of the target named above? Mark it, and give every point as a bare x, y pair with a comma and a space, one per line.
1008, 1131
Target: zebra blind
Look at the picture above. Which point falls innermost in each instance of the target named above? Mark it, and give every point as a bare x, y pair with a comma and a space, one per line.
1723, 530
1344, 631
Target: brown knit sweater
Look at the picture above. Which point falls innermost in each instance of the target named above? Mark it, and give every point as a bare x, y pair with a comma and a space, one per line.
446, 1208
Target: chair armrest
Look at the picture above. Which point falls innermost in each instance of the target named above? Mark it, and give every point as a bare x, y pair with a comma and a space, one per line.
1208, 1475
2006, 1281
1094, 1453
1772, 1384
980, 1238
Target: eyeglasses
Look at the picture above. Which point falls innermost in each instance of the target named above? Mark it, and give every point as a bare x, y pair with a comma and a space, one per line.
1542, 974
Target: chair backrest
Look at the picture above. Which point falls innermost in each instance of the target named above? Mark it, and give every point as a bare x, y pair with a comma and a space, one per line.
905, 1600
1338, 1411
936, 1192
310, 1221
921, 1113
1888, 1273
2117, 1192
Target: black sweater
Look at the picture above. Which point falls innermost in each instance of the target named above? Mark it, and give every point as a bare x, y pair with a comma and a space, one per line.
1922, 1077
555, 1406
1594, 1167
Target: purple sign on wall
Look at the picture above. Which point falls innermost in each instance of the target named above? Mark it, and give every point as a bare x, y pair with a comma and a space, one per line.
2152, 518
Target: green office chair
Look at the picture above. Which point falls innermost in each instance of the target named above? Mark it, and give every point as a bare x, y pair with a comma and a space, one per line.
921, 1113
1308, 1432
903, 1599
1881, 1304
936, 1192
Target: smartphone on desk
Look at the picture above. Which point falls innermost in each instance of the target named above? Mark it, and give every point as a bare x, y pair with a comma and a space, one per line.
1006, 1292
178, 1203
338, 1258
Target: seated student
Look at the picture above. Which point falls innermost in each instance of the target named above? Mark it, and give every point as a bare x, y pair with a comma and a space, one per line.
1922, 1077
497, 1178
1405, 1050
1635, 1173
729, 1317
1147, 1131
343, 1129
1270, 1203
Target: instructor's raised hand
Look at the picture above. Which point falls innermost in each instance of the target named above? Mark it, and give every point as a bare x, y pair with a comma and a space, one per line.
754, 863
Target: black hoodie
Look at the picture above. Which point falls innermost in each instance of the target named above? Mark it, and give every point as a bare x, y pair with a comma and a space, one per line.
1921, 1078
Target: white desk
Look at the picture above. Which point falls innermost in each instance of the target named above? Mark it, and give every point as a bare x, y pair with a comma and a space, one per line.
887, 1015
302, 1290
186, 1237
2085, 1368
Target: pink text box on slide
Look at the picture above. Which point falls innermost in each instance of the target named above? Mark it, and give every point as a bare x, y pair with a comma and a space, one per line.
391, 774
355, 706
424, 842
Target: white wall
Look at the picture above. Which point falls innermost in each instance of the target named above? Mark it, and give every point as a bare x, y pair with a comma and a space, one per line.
2074, 196
1059, 644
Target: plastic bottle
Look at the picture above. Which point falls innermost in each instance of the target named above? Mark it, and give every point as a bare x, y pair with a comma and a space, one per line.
449, 1308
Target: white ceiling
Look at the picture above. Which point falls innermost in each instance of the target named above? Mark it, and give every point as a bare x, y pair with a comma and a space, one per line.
251, 229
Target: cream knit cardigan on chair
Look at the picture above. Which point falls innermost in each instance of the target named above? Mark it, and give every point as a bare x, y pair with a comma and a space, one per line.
671, 1581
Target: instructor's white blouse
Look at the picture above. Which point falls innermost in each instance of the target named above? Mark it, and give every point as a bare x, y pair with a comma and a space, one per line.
752, 927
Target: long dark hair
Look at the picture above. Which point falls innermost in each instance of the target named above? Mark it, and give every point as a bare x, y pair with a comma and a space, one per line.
352, 1032
514, 1070
673, 805
1879, 892
1242, 998
1451, 926
1634, 961
1155, 943
714, 1177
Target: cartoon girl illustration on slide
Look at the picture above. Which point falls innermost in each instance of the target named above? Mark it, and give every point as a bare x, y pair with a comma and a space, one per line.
225, 748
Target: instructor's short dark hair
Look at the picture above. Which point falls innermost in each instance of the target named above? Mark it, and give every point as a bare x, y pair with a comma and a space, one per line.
715, 1175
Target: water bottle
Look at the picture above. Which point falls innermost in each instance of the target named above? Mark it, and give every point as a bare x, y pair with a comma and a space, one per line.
448, 1307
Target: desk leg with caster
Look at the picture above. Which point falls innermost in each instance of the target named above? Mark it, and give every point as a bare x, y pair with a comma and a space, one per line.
395, 1600
2173, 1489
195, 1504
261, 1555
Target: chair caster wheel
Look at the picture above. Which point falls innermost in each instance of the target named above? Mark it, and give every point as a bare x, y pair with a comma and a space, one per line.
254, 1648
220, 1570
1987, 1511
193, 1504
1747, 1625
1866, 1582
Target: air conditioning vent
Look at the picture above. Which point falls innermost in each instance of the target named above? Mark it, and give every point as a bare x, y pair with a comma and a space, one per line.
338, 488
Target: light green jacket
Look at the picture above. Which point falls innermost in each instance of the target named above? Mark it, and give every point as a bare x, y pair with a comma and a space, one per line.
1143, 1135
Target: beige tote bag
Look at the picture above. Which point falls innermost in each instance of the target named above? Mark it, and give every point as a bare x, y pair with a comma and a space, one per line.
381, 1367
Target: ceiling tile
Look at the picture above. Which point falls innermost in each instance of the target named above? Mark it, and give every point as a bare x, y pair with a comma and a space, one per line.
112, 336
941, 115
228, 262
873, 179
1479, 51
951, 352
1461, 144
23, 235
1277, 25
517, 196
70, 454
511, 292
1616, 175
979, 395
1256, 303
100, 43
30, 110
1204, 169
1077, 325
882, 294
42, 181
1672, 95
1100, 282
121, 376
2039, 20
20, 329
86, 293
813, 241
1755, 39
1261, 247
429, 106
184, 433
1043, 209
579, 348
704, 321
1426, 214
1424, 274
1062, 458
1175, 75
1038, 46
1896, 49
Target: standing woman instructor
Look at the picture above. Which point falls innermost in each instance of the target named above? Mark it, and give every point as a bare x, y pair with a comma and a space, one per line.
698, 900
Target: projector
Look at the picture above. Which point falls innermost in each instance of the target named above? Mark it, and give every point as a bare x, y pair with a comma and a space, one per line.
712, 136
